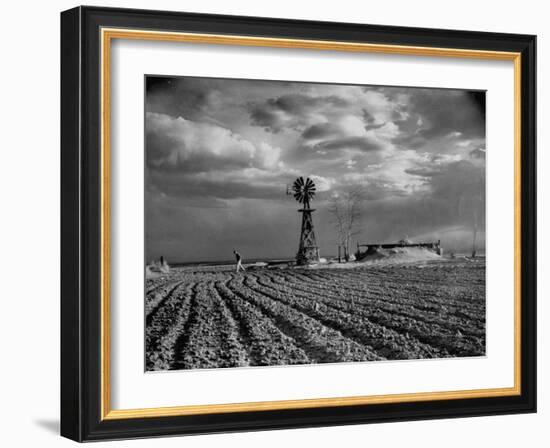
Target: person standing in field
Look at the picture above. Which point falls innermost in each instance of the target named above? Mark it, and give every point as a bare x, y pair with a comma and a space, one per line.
239, 260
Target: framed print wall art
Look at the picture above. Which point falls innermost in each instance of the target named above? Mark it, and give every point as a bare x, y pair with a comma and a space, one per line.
276, 224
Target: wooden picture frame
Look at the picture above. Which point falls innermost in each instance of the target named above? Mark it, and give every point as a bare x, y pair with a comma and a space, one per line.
86, 35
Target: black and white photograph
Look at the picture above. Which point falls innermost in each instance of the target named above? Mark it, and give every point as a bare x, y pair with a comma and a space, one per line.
295, 223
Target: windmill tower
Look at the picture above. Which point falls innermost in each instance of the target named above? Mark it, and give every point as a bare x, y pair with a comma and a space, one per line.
308, 251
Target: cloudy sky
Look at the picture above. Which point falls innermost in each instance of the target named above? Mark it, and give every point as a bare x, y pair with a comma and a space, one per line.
220, 152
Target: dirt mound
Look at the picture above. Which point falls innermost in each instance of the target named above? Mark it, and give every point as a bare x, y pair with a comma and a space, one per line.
400, 255
156, 269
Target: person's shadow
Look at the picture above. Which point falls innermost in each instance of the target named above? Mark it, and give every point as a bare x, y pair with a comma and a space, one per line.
49, 425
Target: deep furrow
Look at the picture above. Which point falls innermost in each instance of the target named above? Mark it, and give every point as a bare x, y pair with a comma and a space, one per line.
451, 321
320, 343
266, 344
387, 280
150, 311
368, 293
439, 339
153, 285
162, 332
381, 339
360, 283
233, 346
182, 339
373, 292
210, 338
436, 277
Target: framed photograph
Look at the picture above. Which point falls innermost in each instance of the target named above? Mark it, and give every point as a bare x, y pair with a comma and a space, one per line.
273, 223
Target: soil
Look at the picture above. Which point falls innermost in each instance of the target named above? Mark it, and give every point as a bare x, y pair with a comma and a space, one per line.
214, 318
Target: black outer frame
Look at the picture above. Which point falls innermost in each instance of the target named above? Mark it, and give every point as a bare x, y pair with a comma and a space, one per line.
80, 223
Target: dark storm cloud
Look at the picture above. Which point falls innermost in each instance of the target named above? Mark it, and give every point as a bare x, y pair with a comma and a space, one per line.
266, 118
217, 186
291, 110
376, 190
220, 153
370, 120
458, 180
319, 131
359, 143
423, 171
477, 153
298, 104
457, 190
439, 113
180, 97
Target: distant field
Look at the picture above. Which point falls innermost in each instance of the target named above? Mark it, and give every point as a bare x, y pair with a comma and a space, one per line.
213, 317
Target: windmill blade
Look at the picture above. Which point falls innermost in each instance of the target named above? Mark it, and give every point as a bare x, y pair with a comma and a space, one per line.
304, 190
299, 184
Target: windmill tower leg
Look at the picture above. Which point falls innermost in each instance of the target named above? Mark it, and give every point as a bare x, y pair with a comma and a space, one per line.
308, 251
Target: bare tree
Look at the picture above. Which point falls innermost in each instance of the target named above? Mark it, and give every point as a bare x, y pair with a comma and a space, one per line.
472, 201
477, 211
345, 208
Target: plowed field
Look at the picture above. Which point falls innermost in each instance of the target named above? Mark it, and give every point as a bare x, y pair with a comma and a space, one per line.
214, 317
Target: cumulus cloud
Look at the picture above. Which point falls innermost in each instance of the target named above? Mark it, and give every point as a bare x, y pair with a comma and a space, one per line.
177, 143
322, 184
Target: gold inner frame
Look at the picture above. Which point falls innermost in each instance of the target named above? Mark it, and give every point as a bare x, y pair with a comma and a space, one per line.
107, 35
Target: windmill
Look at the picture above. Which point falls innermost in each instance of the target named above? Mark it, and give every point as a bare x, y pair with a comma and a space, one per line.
303, 192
